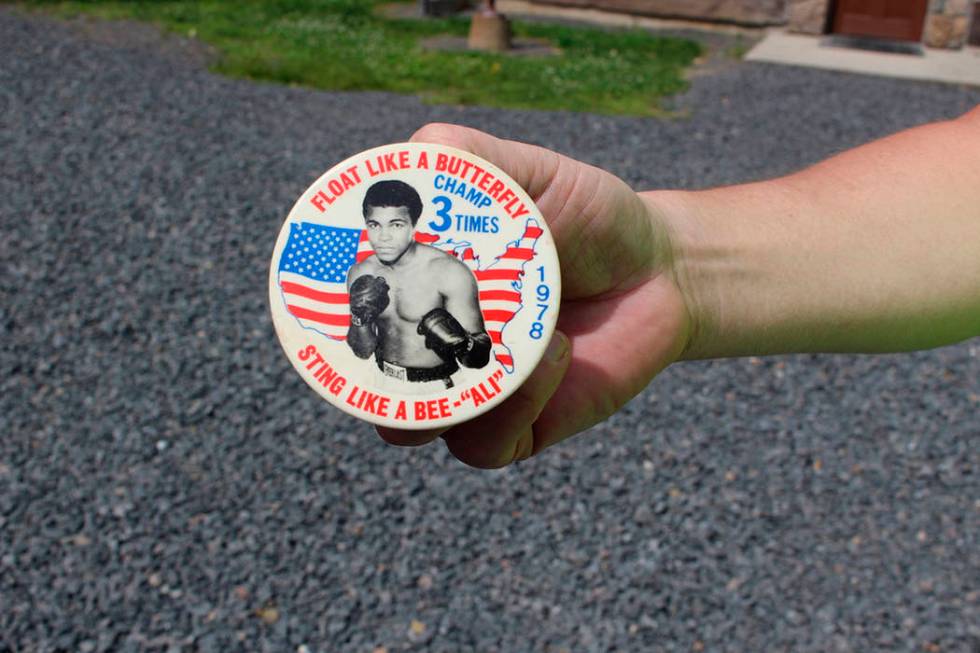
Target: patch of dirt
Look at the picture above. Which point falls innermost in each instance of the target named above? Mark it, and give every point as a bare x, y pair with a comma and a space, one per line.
525, 47
403, 10
722, 49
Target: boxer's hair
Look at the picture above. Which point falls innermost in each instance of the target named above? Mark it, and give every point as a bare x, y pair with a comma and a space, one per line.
393, 193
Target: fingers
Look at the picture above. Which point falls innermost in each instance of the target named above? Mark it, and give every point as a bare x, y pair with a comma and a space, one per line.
590, 212
506, 433
533, 167
403, 438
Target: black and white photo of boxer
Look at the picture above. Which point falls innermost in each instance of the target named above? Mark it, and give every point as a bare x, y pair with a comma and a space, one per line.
413, 307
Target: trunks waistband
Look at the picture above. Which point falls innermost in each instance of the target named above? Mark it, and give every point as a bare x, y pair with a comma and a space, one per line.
419, 374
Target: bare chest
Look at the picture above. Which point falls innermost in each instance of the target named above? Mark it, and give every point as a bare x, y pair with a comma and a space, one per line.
410, 298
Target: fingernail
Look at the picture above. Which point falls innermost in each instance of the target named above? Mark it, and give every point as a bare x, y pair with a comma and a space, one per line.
557, 348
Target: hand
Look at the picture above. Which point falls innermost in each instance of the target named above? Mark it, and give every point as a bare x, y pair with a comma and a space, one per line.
368, 298
622, 319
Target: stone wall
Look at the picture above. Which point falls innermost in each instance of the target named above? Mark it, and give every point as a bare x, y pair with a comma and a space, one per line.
807, 16
740, 12
947, 23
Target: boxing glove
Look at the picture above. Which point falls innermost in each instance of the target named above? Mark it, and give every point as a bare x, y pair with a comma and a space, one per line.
368, 298
447, 337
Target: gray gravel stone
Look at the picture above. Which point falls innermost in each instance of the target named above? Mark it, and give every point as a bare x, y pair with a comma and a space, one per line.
152, 429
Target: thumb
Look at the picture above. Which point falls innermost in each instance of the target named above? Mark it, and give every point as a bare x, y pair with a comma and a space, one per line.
533, 167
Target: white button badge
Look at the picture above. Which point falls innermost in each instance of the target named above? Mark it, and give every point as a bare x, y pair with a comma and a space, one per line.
414, 286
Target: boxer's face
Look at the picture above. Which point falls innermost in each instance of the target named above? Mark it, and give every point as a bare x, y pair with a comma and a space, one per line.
390, 231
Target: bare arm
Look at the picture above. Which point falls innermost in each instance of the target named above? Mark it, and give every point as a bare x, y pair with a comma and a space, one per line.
462, 298
877, 249
874, 250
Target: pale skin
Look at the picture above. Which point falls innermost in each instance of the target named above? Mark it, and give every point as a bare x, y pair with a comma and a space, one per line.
874, 250
420, 278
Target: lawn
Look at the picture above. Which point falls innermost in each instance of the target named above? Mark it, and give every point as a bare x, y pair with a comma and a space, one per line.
348, 45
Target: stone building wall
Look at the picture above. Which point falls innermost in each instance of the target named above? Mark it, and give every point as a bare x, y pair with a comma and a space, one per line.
947, 22
741, 12
808, 16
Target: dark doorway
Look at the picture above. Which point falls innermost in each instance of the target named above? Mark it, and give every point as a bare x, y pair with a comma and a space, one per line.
975, 28
900, 20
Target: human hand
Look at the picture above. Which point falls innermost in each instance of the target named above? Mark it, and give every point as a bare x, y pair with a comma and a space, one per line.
622, 319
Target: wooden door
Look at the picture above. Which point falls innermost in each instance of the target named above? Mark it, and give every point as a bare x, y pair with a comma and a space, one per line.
975, 29
886, 19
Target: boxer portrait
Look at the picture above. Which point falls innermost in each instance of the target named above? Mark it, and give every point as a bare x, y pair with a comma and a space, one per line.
413, 307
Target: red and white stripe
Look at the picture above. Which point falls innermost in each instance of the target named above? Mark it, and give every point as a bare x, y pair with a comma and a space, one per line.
500, 285
318, 305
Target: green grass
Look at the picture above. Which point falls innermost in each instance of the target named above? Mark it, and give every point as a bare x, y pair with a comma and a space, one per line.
343, 44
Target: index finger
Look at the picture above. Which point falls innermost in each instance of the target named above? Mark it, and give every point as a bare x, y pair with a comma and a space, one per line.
532, 167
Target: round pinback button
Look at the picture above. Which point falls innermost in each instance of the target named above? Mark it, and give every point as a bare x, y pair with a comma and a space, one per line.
414, 286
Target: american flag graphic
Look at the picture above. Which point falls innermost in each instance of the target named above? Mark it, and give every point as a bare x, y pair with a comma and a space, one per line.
313, 277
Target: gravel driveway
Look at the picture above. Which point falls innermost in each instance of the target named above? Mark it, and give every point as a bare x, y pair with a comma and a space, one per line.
168, 483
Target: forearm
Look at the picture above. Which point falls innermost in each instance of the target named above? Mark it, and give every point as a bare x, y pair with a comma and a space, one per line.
874, 250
